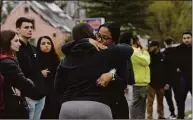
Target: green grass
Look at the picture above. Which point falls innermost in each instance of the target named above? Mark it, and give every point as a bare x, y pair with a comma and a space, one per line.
188, 113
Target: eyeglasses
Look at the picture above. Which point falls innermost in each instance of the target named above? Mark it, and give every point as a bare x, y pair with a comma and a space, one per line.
103, 37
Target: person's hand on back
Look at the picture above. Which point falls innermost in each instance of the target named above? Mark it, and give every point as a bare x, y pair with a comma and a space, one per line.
97, 44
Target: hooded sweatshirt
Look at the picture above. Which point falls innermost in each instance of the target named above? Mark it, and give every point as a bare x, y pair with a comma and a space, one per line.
78, 72
157, 70
141, 60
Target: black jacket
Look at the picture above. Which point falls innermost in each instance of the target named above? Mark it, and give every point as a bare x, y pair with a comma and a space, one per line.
157, 70
28, 61
131, 80
50, 62
83, 65
171, 75
184, 60
13, 77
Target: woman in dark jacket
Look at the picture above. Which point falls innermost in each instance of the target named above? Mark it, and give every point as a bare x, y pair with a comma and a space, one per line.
14, 80
77, 74
108, 34
49, 61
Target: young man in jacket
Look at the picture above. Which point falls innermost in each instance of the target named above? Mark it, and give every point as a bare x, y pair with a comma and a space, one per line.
184, 63
28, 62
170, 75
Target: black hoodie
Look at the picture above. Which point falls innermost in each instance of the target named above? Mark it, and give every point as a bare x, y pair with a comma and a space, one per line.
77, 73
157, 70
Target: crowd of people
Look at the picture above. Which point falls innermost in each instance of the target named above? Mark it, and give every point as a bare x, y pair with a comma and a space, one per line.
90, 82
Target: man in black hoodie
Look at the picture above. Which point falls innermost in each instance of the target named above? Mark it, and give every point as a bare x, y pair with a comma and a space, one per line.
28, 62
184, 63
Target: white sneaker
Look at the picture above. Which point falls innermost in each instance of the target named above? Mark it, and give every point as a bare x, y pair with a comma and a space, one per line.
189, 116
172, 117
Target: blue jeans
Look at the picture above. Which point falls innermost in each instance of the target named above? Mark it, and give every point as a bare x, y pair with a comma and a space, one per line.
36, 107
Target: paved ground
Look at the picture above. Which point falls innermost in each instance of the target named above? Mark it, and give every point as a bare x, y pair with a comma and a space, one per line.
188, 106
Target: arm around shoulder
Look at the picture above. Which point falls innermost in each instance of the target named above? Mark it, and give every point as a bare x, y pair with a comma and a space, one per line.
125, 49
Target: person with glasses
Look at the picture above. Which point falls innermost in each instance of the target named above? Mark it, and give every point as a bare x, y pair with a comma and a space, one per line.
108, 34
103, 38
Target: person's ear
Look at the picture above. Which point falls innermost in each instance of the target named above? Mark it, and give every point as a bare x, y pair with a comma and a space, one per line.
131, 41
18, 30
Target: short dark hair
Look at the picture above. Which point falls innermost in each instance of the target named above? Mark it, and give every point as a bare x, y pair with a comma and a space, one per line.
5, 40
24, 19
135, 40
82, 30
187, 33
154, 43
168, 40
114, 28
126, 37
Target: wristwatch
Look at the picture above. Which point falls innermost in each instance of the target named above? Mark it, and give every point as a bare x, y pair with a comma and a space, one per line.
113, 71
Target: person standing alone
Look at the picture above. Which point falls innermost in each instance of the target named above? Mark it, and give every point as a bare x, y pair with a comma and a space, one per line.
184, 63
28, 61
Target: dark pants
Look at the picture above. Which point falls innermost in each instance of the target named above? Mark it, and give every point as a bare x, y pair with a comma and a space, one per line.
50, 111
51, 108
14, 111
120, 109
177, 95
168, 96
185, 87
